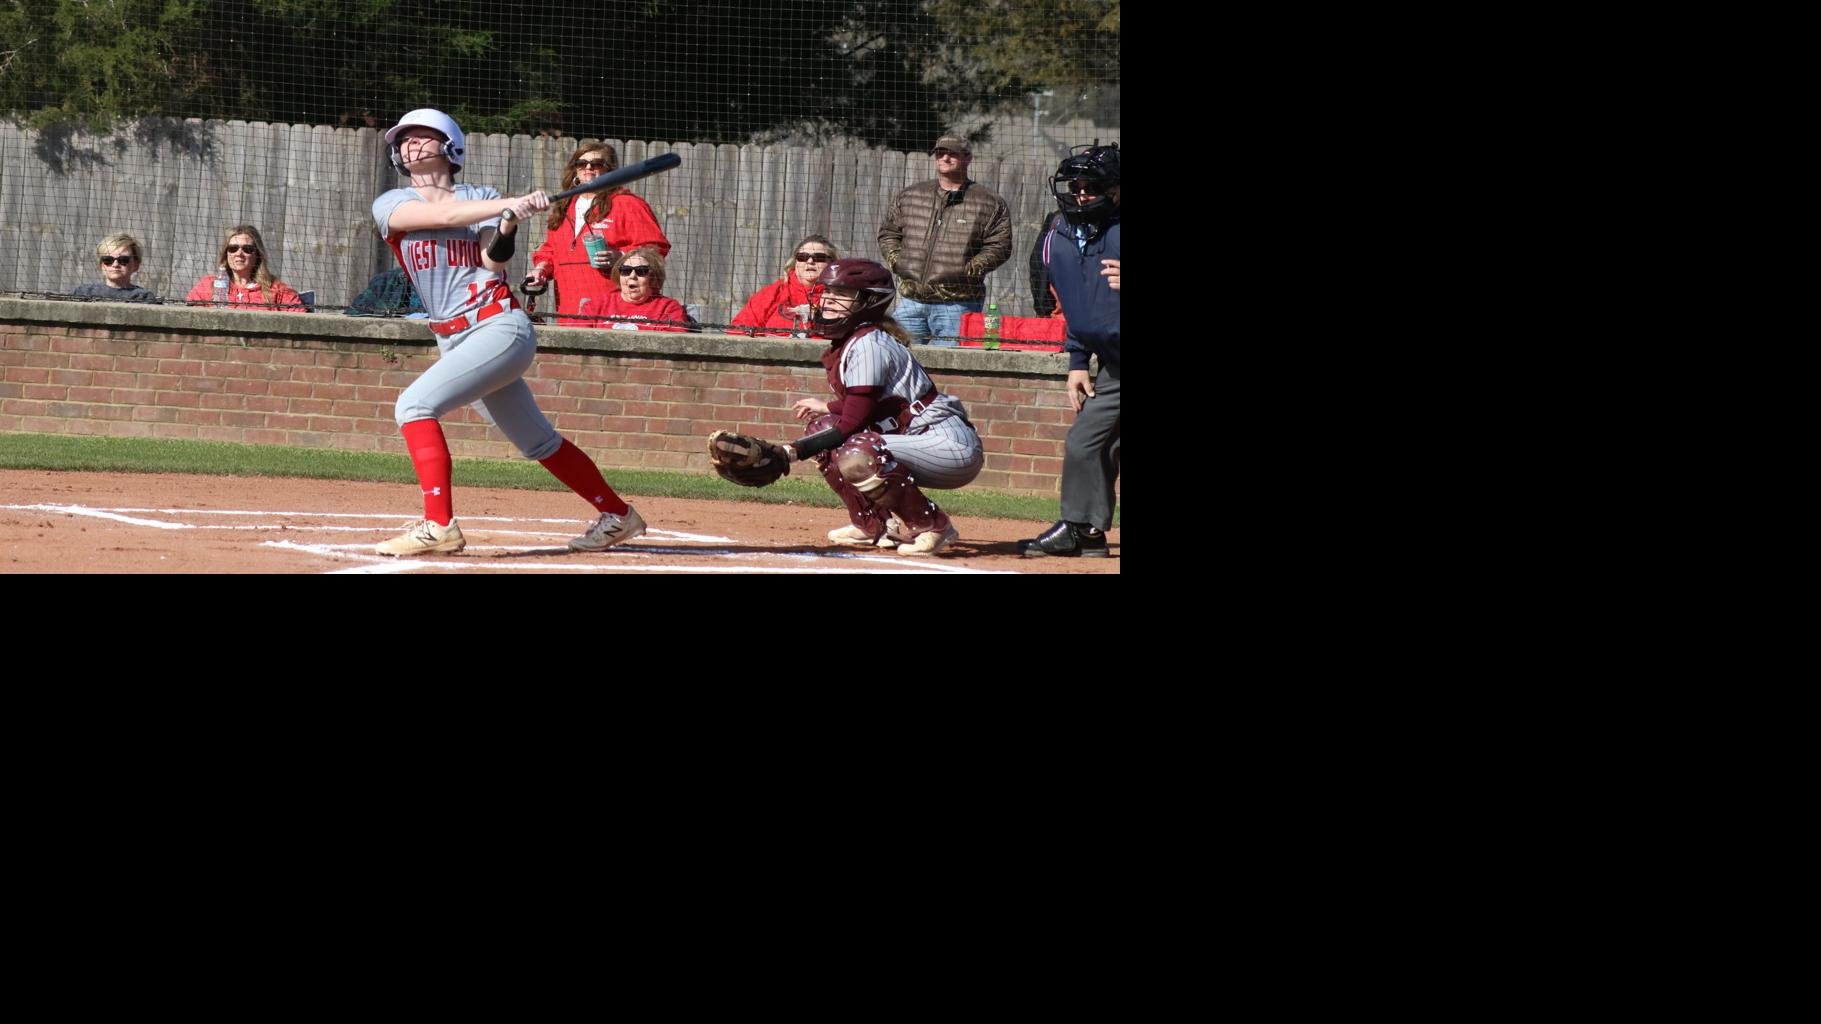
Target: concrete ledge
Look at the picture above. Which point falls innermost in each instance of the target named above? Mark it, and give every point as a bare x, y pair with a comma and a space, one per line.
213, 322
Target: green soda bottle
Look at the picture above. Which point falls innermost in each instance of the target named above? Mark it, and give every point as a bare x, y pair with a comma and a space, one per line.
992, 326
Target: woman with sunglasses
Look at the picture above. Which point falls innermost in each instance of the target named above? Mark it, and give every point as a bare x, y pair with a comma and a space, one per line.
250, 280
784, 306
119, 255
640, 304
454, 242
620, 220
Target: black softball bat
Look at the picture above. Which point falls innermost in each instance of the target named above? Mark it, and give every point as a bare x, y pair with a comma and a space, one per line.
632, 172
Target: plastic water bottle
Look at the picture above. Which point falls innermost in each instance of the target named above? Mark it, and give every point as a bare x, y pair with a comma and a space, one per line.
992, 326
221, 286
581, 311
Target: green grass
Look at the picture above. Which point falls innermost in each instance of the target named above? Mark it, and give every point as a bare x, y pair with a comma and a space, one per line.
212, 458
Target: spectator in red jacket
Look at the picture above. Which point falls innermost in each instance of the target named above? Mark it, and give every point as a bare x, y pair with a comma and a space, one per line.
620, 220
250, 279
786, 305
640, 304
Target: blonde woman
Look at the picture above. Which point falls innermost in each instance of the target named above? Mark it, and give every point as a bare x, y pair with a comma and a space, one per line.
788, 304
251, 282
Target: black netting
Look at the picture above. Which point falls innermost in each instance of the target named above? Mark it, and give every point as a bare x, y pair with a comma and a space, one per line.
174, 121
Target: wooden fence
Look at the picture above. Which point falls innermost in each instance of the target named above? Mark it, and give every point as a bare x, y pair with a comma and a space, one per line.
732, 213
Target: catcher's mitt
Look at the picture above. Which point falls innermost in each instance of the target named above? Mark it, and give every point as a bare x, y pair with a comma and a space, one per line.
747, 461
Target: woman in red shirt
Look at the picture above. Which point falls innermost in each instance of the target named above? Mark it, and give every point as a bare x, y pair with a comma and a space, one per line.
784, 306
641, 296
618, 218
250, 280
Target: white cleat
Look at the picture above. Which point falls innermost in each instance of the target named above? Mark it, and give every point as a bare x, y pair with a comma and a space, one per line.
854, 537
424, 538
931, 541
610, 530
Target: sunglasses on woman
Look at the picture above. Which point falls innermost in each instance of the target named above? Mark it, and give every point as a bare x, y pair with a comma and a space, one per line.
244, 248
593, 165
629, 271
108, 261
813, 257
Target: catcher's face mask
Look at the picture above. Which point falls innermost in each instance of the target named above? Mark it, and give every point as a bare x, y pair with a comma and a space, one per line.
863, 291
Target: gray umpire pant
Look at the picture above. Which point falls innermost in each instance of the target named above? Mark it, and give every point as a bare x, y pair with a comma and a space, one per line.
1090, 462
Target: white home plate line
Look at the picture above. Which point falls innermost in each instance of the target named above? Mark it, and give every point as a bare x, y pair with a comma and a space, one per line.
681, 538
95, 513
634, 549
375, 565
391, 519
631, 557
340, 515
388, 567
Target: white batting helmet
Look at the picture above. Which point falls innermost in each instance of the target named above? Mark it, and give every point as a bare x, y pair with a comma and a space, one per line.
455, 149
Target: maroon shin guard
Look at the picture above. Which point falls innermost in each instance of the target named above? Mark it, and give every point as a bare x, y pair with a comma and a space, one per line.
864, 459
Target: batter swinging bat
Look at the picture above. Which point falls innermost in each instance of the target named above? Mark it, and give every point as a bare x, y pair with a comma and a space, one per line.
632, 172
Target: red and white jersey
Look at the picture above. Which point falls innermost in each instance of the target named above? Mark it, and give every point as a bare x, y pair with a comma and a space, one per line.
444, 265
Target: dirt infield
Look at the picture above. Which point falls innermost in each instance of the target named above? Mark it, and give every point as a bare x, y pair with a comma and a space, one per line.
142, 523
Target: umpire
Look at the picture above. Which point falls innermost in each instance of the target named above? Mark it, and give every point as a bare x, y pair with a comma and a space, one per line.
1081, 250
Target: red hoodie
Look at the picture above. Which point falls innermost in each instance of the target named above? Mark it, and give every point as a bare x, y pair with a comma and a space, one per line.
660, 307
762, 310
283, 299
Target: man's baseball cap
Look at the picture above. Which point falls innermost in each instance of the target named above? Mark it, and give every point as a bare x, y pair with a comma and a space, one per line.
951, 142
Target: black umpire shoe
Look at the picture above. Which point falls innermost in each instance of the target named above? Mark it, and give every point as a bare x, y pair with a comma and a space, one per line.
1067, 540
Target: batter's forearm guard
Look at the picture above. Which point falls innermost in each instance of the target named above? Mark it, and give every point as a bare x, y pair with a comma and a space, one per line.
502, 248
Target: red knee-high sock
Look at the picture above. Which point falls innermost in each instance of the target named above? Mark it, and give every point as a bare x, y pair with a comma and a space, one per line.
430, 457
579, 473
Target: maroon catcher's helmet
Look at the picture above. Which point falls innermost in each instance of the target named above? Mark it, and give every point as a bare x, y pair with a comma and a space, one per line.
876, 294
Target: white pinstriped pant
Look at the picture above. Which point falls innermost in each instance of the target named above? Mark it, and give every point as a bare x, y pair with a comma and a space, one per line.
945, 457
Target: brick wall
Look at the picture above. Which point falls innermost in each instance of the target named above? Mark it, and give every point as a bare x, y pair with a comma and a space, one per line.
629, 398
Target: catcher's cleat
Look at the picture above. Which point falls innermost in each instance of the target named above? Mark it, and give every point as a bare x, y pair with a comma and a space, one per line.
1067, 540
854, 537
610, 530
423, 538
930, 542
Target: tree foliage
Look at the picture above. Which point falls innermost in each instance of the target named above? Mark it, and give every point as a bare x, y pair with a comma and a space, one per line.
1035, 44
886, 72
90, 63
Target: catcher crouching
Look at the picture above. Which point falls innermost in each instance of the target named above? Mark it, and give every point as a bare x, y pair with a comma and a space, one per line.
887, 430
